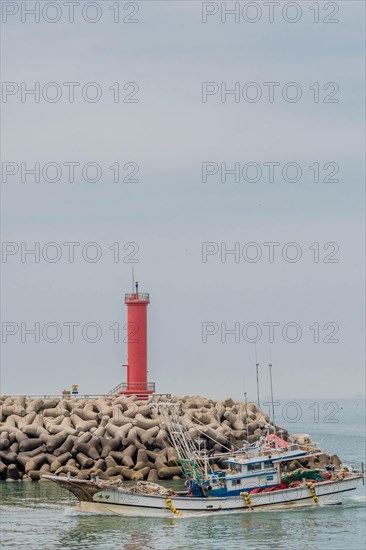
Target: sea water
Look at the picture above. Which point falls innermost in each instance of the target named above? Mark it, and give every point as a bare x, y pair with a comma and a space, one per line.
40, 516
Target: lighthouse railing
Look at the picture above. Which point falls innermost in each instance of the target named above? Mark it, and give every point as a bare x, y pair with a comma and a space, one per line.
133, 386
138, 296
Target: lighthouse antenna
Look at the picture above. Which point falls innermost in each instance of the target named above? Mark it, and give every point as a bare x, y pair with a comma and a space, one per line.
133, 279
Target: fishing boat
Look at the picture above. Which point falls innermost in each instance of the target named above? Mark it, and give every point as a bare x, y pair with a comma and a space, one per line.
254, 478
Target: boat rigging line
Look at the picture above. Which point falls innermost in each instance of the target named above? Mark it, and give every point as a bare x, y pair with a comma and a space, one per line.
257, 374
270, 378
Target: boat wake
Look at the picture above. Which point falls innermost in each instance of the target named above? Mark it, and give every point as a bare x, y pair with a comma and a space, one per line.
358, 498
74, 512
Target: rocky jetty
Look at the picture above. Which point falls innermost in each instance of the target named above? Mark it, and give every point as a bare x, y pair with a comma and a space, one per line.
113, 438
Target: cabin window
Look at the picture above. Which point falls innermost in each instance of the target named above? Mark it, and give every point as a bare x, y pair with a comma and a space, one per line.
254, 466
235, 467
267, 464
235, 482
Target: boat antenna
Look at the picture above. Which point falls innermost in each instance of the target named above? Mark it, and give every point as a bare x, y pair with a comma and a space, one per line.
257, 373
270, 378
246, 414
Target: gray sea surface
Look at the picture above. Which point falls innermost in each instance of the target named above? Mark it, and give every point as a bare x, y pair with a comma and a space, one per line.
41, 516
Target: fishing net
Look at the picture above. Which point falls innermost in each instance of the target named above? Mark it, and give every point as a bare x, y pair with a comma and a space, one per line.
300, 474
146, 487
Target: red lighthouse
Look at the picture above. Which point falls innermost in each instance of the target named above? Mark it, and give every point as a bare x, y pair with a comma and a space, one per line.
137, 383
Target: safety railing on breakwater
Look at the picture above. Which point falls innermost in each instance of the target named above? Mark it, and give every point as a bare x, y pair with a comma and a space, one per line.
74, 396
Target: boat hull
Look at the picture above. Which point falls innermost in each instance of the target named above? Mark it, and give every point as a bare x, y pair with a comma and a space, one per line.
127, 504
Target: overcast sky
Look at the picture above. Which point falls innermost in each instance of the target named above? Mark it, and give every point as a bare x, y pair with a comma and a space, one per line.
160, 130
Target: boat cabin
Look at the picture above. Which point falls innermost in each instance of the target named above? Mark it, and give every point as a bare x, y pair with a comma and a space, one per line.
258, 468
243, 475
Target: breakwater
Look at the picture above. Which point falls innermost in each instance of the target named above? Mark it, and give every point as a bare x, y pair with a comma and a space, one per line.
115, 438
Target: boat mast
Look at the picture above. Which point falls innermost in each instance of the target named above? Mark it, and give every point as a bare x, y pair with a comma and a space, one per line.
193, 465
246, 414
270, 378
257, 373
